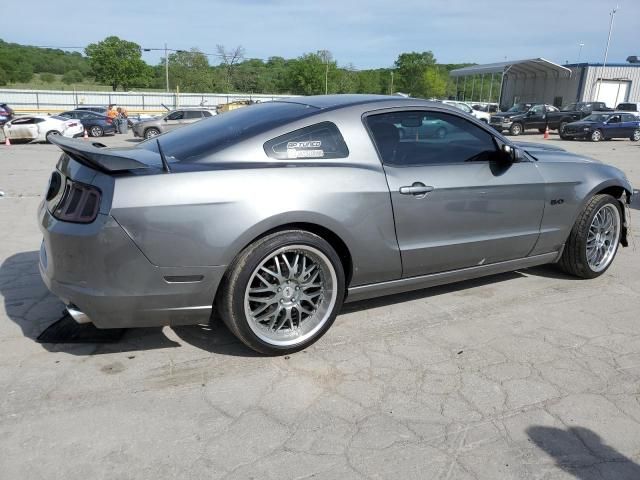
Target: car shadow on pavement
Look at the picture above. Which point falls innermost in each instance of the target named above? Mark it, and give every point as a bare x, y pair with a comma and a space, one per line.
579, 451
29, 304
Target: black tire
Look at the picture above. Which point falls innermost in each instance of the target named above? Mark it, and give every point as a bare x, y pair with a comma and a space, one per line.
635, 136
151, 132
516, 129
51, 133
230, 301
596, 136
574, 257
96, 131
542, 130
561, 127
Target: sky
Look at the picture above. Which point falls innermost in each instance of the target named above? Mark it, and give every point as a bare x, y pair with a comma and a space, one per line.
366, 34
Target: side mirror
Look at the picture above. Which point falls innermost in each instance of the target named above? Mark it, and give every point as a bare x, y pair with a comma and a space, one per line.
509, 154
165, 119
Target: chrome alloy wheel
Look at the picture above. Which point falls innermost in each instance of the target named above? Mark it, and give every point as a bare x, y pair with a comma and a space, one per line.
290, 295
603, 237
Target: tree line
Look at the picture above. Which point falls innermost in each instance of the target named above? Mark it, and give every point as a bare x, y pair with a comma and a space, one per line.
118, 63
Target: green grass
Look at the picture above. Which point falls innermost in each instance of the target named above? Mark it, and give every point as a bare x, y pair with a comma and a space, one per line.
36, 83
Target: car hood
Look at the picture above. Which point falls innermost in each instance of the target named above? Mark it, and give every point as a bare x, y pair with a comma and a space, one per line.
583, 124
552, 153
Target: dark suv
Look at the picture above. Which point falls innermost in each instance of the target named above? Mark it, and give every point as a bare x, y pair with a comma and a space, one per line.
516, 122
6, 113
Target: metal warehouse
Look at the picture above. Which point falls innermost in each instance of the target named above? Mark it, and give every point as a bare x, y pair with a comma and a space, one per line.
539, 80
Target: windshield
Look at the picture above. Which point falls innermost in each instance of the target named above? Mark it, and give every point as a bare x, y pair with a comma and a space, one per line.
218, 132
518, 107
569, 108
596, 117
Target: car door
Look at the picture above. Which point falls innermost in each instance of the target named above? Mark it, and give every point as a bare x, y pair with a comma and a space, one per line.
536, 117
629, 124
456, 203
173, 120
191, 116
614, 127
24, 128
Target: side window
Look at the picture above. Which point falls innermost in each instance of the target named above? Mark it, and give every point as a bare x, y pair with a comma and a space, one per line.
538, 109
322, 140
24, 121
614, 119
428, 138
191, 114
176, 115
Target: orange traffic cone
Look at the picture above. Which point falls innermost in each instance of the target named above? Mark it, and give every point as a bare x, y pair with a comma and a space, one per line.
86, 135
546, 133
6, 141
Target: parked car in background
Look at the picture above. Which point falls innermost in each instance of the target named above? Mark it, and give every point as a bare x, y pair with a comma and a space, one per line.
6, 113
270, 217
574, 112
40, 128
633, 107
95, 124
94, 109
604, 126
486, 107
173, 119
515, 122
466, 108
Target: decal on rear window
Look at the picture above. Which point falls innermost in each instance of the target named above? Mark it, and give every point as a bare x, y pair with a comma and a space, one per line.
322, 140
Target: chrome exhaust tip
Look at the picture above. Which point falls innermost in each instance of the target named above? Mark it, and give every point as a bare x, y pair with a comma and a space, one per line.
77, 315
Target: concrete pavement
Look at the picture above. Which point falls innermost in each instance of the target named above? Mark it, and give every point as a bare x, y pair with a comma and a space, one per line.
526, 375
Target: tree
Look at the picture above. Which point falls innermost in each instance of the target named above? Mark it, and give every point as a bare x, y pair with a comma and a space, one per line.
190, 71
72, 76
47, 77
435, 83
117, 62
309, 73
410, 68
229, 59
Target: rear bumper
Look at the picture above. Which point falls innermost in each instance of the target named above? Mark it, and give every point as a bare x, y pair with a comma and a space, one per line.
98, 269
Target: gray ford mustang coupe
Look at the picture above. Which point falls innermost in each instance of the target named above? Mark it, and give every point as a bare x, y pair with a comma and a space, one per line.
273, 215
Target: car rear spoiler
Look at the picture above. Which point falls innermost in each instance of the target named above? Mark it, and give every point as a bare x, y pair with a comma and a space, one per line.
109, 160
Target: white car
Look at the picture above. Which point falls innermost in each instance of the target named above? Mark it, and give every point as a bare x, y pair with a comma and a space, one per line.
465, 107
36, 128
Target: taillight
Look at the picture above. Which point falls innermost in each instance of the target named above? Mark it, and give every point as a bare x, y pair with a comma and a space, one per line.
80, 203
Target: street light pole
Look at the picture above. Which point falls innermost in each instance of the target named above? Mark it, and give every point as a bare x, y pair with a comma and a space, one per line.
166, 66
606, 51
580, 51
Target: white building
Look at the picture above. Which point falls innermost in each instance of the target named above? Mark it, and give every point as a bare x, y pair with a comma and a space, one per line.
542, 81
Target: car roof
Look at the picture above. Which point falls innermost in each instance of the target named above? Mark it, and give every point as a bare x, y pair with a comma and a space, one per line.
331, 102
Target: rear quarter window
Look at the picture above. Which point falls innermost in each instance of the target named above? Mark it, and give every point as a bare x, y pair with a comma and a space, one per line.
322, 140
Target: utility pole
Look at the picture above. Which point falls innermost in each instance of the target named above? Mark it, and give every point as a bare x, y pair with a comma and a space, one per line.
606, 51
166, 66
580, 51
391, 86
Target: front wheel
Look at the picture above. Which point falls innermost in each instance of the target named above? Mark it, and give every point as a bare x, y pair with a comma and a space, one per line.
635, 136
516, 129
52, 133
151, 132
283, 292
596, 136
594, 239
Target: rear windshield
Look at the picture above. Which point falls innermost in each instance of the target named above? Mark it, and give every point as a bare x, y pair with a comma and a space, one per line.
216, 133
628, 107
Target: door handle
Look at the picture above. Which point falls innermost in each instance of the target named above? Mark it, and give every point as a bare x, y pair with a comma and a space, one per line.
417, 188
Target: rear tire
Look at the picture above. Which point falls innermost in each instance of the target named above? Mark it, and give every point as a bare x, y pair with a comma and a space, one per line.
635, 136
96, 131
52, 133
151, 132
588, 233
268, 301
